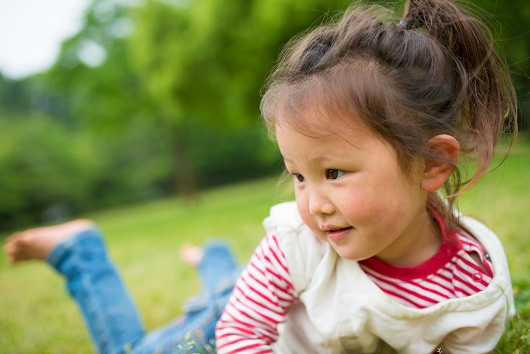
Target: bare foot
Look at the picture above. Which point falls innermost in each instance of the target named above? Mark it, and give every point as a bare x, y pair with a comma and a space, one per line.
191, 255
38, 242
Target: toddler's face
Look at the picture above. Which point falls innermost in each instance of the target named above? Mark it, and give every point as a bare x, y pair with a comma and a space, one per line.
352, 194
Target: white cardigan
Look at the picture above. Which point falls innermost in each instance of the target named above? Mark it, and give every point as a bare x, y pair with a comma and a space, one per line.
343, 311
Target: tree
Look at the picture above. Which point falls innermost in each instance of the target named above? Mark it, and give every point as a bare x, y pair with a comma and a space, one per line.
204, 62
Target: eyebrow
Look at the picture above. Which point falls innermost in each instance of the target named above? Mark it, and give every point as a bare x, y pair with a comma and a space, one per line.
324, 158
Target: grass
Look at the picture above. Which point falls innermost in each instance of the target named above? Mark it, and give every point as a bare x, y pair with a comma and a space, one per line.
36, 315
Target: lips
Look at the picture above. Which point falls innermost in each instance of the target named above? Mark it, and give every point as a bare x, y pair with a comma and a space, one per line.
336, 234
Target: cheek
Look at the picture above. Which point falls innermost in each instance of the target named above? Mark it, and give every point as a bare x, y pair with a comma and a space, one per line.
366, 204
303, 208
382, 206
302, 204
356, 200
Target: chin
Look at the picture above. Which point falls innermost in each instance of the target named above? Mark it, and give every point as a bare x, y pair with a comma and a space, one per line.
350, 257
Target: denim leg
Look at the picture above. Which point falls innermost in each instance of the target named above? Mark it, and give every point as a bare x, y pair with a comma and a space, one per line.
93, 281
195, 330
217, 266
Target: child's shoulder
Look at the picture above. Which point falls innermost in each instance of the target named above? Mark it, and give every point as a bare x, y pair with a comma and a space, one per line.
483, 234
491, 245
283, 215
302, 250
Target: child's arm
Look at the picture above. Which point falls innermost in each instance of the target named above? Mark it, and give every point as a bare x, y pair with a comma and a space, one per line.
489, 321
260, 301
480, 339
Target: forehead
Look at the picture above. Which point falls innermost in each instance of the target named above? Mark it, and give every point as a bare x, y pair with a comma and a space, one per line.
323, 141
322, 122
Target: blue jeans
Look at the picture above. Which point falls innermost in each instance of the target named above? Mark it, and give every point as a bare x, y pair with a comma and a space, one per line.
110, 314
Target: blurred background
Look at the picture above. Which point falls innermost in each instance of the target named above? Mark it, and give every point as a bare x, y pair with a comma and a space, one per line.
112, 102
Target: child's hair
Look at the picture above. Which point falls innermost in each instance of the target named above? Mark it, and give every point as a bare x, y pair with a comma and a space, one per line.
434, 72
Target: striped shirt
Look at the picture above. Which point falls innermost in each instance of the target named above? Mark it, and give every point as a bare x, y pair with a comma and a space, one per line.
451, 273
265, 292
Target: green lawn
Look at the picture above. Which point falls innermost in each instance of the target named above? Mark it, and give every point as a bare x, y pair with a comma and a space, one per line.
36, 315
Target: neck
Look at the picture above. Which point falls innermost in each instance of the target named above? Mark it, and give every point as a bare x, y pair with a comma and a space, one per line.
418, 244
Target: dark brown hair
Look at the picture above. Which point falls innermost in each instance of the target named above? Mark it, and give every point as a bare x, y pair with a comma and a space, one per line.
434, 72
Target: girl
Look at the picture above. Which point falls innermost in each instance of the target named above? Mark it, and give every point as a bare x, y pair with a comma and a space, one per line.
371, 117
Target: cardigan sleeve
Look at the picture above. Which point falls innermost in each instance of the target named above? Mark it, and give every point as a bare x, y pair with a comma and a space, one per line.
480, 339
490, 322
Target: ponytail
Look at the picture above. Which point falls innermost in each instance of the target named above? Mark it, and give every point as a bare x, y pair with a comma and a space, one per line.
490, 100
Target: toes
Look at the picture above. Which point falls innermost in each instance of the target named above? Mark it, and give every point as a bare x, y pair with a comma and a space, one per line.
191, 254
14, 236
36, 243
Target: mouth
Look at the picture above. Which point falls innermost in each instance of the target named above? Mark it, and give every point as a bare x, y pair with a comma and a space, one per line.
335, 234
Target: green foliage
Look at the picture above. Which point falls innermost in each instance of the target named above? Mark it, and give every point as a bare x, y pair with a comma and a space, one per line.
215, 58
225, 157
51, 173
159, 107
509, 24
42, 167
93, 74
217, 53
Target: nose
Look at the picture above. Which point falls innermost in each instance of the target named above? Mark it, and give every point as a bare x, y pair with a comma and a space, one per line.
319, 204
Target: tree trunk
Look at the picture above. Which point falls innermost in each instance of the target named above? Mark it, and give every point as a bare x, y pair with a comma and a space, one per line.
184, 171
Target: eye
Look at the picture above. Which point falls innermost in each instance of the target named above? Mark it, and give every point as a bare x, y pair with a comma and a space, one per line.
334, 174
298, 177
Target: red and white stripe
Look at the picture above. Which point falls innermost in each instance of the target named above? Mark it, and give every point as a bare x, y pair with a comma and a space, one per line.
264, 292
258, 304
460, 277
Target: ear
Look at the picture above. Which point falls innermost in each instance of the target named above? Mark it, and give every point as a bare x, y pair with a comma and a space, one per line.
437, 171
